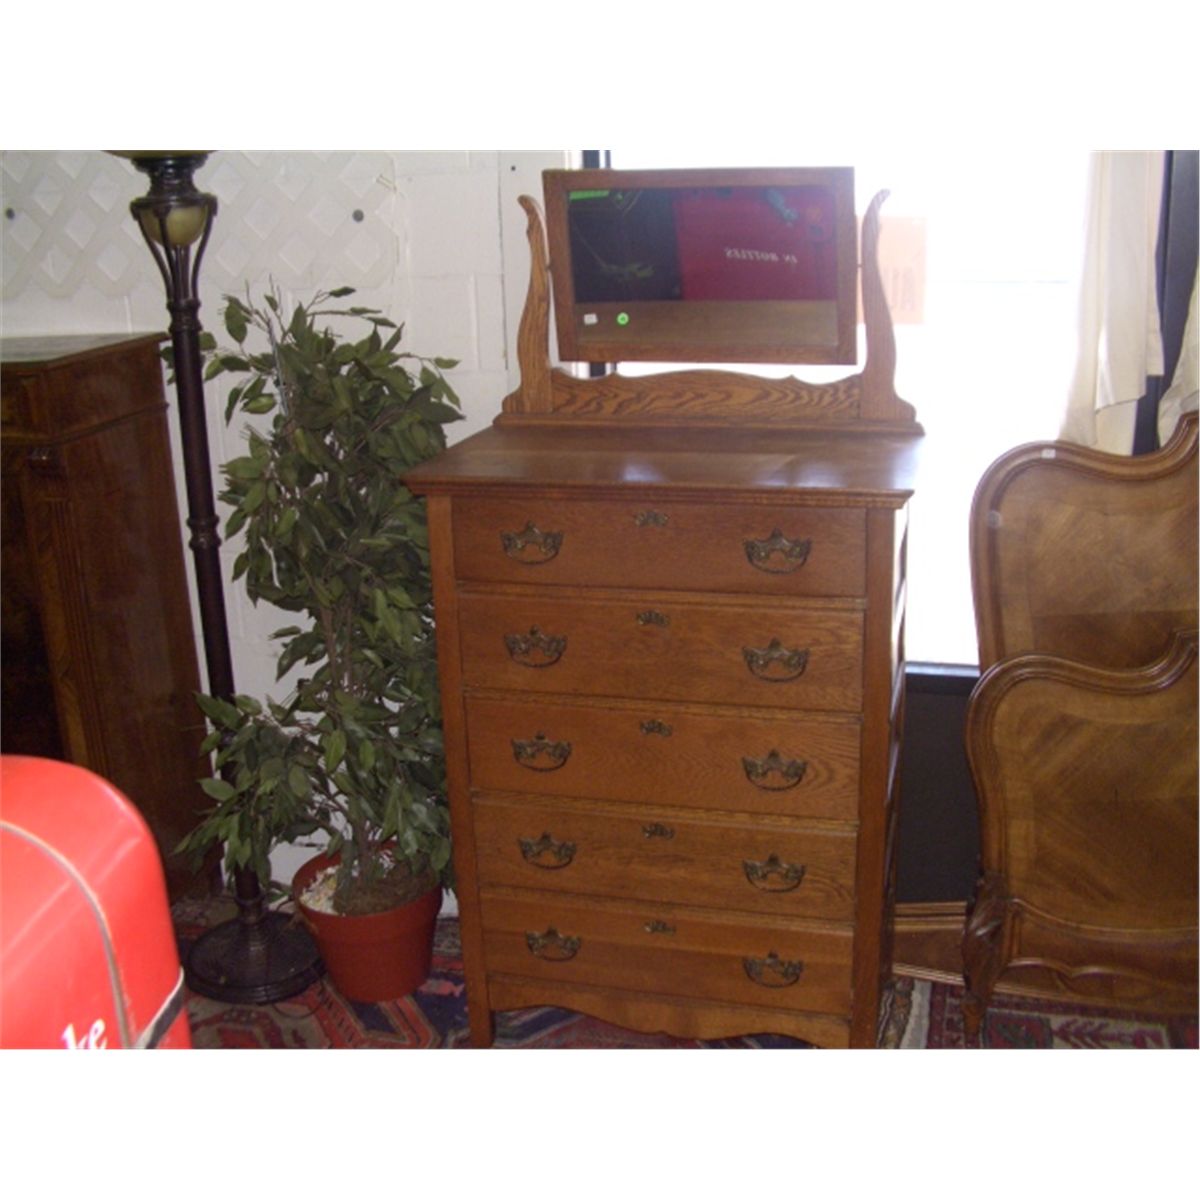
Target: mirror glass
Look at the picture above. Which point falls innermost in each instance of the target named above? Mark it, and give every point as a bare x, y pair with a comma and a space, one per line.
703, 266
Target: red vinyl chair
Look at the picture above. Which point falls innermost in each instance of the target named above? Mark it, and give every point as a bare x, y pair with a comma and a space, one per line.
88, 959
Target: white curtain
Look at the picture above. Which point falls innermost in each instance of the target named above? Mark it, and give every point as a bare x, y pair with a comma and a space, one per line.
1120, 338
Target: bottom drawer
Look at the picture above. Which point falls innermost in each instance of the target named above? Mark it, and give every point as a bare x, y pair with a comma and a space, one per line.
658, 949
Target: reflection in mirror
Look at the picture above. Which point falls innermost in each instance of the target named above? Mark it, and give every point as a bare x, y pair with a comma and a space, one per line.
703, 266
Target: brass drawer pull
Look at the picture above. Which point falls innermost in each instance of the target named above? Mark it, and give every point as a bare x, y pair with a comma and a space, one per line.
530, 753
760, 770
531, 546
650, 617
658, 831
552, 945
535, 648
773, 971
658, 927
659, 727
775, 664
773, 875
650, 517
792, 555
546, 853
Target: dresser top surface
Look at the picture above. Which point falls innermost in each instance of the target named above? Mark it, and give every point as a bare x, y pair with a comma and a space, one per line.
56, 348
872, 468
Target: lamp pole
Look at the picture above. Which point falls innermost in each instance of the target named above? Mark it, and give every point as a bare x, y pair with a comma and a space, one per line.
260, 957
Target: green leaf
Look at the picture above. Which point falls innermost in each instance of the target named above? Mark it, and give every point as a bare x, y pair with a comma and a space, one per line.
218, 789
299, 782
236, 320
219, 711
335, 750
256, 494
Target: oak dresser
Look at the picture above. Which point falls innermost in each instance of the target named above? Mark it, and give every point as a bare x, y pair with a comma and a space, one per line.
672, 671
670, 620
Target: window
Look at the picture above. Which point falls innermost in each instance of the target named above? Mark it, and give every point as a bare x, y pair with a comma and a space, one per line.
979, 251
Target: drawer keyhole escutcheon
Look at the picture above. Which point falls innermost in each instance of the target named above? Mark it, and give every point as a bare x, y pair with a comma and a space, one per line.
773, 971
774, 773
658, 831
535, 648
546, 853
778, 555
552, 945
656, 727
650, 518
773, 875
531, 547
539, 753
776, 663
658, 927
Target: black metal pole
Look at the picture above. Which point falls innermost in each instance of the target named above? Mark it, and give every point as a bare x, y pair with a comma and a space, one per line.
261, 957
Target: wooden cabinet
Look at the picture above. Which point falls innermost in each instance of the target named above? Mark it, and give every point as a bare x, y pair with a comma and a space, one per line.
672, 688
99, 662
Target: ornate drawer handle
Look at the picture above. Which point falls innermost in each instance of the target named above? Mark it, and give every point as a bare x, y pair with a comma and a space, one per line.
650, 517
546, 853
650, 617
758, 770
552, 946
658, 831
659, 727
535, 648
658, 927
773, 875
531, 546
528, 753
775, 664
793, 555
773, 971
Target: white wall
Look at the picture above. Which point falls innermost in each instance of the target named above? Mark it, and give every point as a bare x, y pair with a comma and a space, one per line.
435, 240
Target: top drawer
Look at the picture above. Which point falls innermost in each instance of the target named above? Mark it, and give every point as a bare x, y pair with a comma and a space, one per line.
776, 550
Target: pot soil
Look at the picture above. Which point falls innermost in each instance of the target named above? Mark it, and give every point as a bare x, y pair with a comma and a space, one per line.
378, 956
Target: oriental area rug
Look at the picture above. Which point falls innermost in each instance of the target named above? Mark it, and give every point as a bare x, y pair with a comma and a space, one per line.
918, 1014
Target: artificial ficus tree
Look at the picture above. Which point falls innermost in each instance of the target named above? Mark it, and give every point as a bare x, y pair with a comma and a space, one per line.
330, 533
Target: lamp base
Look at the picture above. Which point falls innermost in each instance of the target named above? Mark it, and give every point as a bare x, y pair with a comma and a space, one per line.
259, 963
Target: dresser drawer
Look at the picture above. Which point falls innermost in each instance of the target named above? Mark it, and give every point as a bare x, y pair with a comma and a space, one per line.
662, 949
765, 549
652, 854
665, 754
653, 646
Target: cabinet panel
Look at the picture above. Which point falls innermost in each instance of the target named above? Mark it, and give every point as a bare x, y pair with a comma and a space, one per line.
763, 549
658, 646
660, 753
662, 949
654, 854
99, 570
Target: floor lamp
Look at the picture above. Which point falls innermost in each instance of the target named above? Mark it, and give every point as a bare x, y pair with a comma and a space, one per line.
260, 956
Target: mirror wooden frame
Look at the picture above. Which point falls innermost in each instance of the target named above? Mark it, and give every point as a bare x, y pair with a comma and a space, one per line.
723, 331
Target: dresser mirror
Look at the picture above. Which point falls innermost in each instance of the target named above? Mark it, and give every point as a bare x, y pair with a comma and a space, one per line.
732, 265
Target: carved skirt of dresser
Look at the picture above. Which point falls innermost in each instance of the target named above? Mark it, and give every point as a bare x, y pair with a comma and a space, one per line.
671, 719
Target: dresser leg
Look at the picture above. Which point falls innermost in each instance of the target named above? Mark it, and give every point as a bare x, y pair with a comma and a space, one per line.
482, 1026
